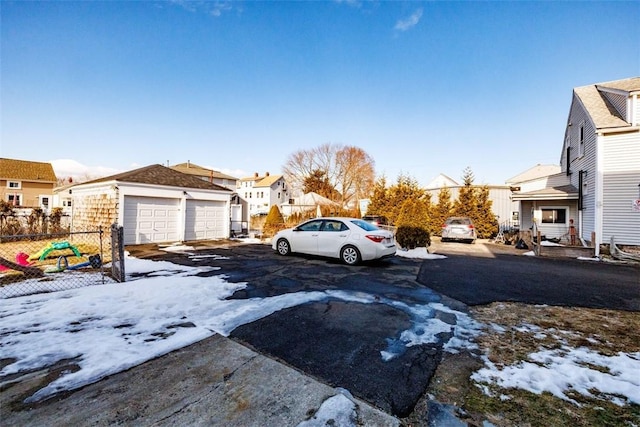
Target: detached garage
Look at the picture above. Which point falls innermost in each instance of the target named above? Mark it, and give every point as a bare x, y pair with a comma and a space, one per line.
154, 204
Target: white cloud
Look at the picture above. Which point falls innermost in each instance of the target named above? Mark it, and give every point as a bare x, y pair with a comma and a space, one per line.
410, 22
237, 173
65, 168
352, 3
215, 8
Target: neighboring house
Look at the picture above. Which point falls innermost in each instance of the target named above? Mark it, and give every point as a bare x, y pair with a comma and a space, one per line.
27, 184
154, 204
262, 192
310, 202
598, 185
62, 198
208, 175
238, 206
500, 195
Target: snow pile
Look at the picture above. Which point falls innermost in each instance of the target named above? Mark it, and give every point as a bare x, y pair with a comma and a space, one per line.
417, 253
567, 369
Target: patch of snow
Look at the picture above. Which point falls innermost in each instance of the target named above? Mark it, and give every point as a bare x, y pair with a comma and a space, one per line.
418, 253
338, 410
569, 369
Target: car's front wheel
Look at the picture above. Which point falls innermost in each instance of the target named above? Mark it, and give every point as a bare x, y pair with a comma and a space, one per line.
350, 255
283, 247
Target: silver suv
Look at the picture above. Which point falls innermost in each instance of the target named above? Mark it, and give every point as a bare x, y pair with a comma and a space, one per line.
458, 228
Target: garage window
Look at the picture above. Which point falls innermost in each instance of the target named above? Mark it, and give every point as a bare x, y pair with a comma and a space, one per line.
554, 216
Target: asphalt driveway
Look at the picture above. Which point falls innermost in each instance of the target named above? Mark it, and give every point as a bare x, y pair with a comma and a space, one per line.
340, 342
337, 341
479, 280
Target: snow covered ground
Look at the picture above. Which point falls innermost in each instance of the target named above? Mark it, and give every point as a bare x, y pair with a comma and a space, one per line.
109, 328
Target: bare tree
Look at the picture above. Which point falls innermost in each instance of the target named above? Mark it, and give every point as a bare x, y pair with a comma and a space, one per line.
347, 169
355, 173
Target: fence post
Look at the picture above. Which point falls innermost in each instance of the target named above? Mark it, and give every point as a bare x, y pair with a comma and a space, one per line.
117, 253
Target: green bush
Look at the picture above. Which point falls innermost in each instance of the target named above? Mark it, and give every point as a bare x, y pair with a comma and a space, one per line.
411, 237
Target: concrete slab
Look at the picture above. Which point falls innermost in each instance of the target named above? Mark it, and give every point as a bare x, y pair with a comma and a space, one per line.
216, 381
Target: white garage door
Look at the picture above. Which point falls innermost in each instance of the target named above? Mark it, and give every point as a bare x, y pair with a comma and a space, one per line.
150, 220
205, 220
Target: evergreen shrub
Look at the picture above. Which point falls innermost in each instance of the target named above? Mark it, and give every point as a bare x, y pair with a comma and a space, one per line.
274, 222
411, 237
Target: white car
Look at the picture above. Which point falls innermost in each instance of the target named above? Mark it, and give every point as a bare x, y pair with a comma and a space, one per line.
350, 239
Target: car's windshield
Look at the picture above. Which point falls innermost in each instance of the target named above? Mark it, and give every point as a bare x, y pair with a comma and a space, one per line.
364, 225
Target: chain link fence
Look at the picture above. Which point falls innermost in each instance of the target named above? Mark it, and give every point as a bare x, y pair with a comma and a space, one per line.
37, 263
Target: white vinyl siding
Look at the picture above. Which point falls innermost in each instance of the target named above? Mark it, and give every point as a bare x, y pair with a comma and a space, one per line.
205, 220
620, 179
587, 162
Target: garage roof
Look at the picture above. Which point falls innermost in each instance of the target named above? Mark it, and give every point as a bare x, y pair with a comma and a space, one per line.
160, 175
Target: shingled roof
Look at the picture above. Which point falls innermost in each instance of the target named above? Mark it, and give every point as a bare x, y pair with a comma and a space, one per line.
537, 171
24, 170
601, 111
267, 181
160, 175
193, 169
262, 181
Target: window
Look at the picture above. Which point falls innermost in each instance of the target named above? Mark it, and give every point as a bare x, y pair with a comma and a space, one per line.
14, 199
554, 216
278, 195
581, 145
311, 226
334, 226
15, 185
45, 202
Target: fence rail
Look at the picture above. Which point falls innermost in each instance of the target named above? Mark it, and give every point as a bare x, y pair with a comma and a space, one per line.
36, 263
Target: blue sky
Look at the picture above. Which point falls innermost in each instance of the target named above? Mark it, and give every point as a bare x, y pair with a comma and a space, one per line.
423, 87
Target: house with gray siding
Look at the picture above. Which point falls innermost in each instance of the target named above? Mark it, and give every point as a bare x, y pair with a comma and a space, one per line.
598, 182
505, 210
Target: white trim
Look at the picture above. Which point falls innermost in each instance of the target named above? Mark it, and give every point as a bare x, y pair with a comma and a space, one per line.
50, 201
620, 129
598, 191
555, 208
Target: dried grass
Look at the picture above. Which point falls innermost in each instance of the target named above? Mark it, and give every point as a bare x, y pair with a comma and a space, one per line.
515, 331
